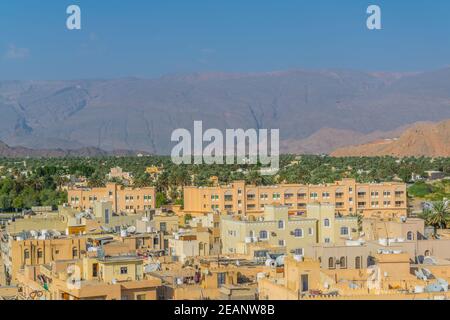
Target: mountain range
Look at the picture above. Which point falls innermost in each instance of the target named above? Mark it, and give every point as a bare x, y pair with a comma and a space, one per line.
21, 152
316, 111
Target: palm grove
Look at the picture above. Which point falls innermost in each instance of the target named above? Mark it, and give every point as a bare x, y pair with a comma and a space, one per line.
30, 182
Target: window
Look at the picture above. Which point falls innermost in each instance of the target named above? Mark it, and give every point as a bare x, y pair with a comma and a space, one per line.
410, 236
298, 233
343, 263
344, 231
95, 270
74, 252
140, 297
281, 224
39, 253
326, 223
163, 226
305, 280
331, 263
310, 231
313, 195
276, 196
358, 263
123, 270
299, 251
263, 234
281, 243
221, 277
427, 253
327, 240
26, 254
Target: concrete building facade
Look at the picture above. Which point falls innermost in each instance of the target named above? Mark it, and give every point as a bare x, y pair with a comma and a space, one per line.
348, 197
124, 199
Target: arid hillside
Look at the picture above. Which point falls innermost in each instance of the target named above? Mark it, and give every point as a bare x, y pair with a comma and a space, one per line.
421, 139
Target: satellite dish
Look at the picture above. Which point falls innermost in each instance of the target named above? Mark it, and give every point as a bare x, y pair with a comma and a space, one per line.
271, 263
420, 275
131, 229
151, 267
280, 261
427, 273
429, 261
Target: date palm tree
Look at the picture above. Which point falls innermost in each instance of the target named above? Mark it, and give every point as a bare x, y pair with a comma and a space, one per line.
438, 216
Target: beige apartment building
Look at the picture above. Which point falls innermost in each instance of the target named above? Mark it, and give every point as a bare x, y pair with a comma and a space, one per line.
18, 253
278, 229
124, 199
391, 278
348, 197
109, 278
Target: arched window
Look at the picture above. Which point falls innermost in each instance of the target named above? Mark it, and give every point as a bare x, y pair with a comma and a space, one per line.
331, 263
410, 236
74, 252
343, 263
358, 263
298, 233
326, 222
263, 234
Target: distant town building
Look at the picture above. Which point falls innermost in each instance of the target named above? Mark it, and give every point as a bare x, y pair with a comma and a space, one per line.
124, 199
347, 196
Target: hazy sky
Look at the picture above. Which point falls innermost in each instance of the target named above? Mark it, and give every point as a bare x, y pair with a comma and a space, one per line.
148, 38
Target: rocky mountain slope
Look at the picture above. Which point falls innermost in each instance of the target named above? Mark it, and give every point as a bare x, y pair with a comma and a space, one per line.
421, 139
316, 111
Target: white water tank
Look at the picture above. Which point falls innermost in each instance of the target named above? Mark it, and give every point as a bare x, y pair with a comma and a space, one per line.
271, 263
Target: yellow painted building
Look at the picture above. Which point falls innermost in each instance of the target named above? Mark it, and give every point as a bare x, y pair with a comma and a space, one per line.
18, 253
112, 278
124, 199
348, 197
278, 229
390, 278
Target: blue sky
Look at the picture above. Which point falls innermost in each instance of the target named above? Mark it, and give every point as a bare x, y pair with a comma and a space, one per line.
151, 38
